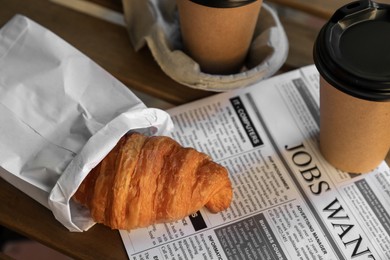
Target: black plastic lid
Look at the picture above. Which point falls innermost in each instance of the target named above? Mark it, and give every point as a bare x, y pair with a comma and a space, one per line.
352, 50
223, 3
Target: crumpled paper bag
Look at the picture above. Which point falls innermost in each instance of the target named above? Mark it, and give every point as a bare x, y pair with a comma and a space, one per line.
156, 24
60, 114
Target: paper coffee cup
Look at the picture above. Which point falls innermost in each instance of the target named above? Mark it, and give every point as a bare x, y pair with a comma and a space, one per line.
351, 54
355, 133
217, 33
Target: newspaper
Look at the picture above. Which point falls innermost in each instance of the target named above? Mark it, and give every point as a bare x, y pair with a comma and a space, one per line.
288, 202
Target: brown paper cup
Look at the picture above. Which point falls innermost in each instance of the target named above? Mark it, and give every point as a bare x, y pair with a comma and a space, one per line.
218, 39
350, 54
354, 133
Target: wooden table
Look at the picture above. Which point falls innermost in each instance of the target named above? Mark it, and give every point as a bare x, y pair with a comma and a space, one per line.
109, 46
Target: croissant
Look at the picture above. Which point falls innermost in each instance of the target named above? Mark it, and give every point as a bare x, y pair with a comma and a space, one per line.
147, 180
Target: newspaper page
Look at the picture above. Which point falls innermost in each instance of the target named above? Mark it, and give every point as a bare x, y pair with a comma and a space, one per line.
288, 202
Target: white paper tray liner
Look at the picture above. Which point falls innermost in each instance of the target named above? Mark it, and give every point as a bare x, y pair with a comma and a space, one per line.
156, 24
60, 114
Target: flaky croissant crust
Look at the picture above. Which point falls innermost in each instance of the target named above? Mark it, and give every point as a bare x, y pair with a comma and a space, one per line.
147, 180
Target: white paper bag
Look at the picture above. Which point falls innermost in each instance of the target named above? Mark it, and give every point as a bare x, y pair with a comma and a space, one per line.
60, 114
